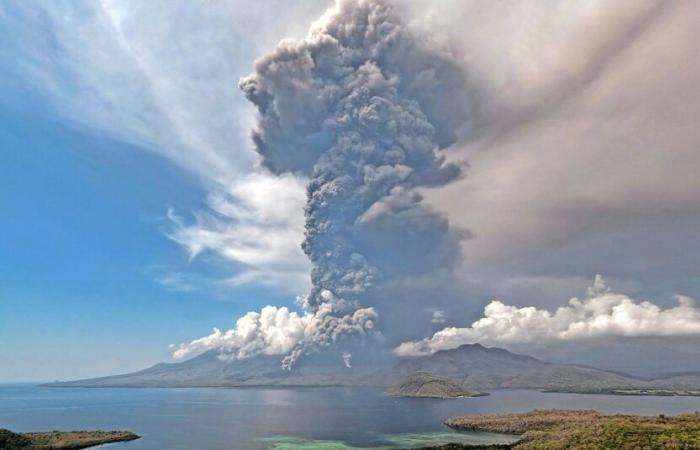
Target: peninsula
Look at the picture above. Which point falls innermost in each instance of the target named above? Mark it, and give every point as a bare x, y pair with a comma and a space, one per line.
61, 440
566, 429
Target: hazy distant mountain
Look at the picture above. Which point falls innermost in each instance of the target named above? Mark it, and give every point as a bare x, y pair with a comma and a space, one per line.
680, 380
478, 367
472, 367
209, 370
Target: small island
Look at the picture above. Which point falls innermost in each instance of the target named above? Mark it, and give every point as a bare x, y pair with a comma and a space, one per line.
61, 440
564, 429
425, 385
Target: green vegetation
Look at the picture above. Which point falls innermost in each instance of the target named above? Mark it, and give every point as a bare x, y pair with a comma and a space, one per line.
58, 440
557, 429
13, 441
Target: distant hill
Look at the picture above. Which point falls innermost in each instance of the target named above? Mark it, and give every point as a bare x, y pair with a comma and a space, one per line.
423, 384
682, 380
472, 367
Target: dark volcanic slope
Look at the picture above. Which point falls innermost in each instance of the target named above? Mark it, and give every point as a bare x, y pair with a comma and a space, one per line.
208, 370
473, 367
478, 367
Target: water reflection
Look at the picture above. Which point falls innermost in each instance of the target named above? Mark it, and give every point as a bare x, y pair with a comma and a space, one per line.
225, 419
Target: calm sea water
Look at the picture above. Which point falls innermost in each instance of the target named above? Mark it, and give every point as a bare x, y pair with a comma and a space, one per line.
305, 418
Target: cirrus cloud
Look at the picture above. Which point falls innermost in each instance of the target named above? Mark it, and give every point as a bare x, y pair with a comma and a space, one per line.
256, 224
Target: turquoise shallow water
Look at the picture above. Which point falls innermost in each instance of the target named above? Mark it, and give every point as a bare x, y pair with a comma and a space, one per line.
284, 419
391, 441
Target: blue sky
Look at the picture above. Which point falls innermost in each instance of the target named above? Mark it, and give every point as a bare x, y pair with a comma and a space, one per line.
95, 158
83, 249
134, 213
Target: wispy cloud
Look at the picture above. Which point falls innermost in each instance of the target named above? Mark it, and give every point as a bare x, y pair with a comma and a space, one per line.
176, 282
258, 224
163, 76
438, 316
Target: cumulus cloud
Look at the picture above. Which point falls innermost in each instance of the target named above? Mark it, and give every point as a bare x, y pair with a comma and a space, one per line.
257, 224
279, 331
601, 313
271, 331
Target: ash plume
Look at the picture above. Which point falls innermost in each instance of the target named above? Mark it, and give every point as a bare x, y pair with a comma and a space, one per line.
361, 107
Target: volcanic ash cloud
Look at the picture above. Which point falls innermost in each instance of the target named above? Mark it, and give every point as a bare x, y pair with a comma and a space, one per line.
361, 107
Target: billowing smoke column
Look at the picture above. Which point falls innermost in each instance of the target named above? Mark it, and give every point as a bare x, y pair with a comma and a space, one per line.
361, 107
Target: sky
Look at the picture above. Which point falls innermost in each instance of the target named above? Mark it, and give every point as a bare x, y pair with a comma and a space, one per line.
550, 152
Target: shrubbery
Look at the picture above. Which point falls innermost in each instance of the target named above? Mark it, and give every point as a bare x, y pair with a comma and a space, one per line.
13, 441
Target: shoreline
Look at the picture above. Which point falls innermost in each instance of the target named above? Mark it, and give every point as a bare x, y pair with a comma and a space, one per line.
621, 392
661, 392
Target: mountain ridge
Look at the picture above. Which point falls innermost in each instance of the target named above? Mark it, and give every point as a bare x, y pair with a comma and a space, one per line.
471, 366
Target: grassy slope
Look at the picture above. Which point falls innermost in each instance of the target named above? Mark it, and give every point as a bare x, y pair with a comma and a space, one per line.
558, 429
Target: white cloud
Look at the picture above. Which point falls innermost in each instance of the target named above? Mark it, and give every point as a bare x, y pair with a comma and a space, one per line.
347, 359
600, 313
176, 282
278, 331
438, 316
272, 331
259, 224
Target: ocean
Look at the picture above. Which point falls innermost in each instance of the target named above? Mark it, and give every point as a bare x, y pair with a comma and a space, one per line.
286, 418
